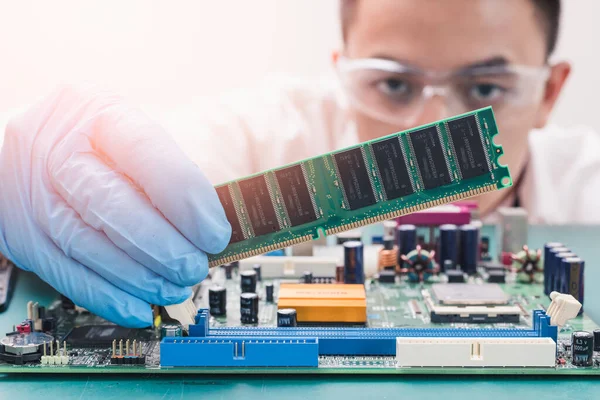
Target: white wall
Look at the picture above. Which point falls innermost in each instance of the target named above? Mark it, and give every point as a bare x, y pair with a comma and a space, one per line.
164, 52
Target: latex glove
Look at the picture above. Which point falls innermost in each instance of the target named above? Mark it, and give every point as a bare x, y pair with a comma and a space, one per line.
100, 202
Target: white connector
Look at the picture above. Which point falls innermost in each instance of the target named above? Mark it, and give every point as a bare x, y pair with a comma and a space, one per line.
291, 266
475, 352
184, 313
563, 308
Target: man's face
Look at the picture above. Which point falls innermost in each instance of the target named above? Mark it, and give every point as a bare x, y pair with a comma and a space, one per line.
450, 35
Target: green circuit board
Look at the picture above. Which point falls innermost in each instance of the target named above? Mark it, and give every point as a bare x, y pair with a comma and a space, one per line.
377, 180
388, 305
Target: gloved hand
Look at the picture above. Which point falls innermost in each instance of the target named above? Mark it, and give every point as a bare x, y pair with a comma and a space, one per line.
100, 202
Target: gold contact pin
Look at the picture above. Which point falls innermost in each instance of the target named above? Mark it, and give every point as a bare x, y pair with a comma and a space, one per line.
57, 347
52, 347
44, 346
114, 348
121, 347
140, 349
127, 347
64, 348
134, 347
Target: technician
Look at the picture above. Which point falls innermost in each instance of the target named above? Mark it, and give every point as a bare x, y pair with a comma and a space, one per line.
117, 211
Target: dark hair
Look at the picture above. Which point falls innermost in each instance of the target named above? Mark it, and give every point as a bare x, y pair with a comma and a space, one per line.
548, 14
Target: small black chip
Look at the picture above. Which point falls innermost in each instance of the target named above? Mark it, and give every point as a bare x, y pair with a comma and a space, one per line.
354, 177
429, 154
227, 203
257, 199
296, 196
391, 164
103, 335
468, 147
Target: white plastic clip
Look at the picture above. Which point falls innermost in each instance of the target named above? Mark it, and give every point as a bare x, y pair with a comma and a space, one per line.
563, 308
184, 312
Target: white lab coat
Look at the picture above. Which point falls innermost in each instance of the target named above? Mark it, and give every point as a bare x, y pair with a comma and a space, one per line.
284, 121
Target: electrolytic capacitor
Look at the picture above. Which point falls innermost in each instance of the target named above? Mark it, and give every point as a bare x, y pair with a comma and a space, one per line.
257, 269
217, 300
560, 282
248, 280
388, 242
406, 236
389, 228
269, 292
170, 330
572, 269
287, 318
228, 270
249, 308
553, 272
597, 340
308, 277
339, 273
448, 246
469, 248
548, 277
354, 271
582, 348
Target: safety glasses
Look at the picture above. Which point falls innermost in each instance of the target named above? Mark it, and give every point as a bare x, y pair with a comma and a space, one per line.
397, 93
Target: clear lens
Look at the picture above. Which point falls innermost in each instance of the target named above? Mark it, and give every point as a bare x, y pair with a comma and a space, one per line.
397, 94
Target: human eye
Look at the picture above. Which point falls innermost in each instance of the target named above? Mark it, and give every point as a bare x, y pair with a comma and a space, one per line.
485, 92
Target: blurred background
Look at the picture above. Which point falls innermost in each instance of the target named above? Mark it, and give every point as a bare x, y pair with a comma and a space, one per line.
161, 54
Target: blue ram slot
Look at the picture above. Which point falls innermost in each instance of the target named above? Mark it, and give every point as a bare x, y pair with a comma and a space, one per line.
366, 341
239, 352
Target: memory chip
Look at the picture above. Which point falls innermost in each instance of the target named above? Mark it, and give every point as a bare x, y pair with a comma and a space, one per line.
103, 335
393, 171
296, 196
355, 179
227, 203
259, 205
429, 154
468, 147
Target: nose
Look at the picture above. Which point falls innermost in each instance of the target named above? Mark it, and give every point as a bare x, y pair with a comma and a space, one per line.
434, 109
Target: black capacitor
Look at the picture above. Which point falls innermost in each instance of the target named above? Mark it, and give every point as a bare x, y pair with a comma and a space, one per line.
287, 318
339, 273
269, 290
469, 248
597, 340
406, 235
448, 245
582, 348
249, 308
308, 277
217, 300
354, 271
560, 279
248, 280
388, 242
228, 270
257, 269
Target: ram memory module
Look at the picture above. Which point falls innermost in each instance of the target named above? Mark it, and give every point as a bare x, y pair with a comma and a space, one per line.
376, 180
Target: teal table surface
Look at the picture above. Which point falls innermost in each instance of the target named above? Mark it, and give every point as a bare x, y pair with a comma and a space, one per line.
584, 241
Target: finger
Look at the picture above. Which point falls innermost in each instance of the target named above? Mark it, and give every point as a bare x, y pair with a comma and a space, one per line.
143, 151
93, 249
88, 289
108, 202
